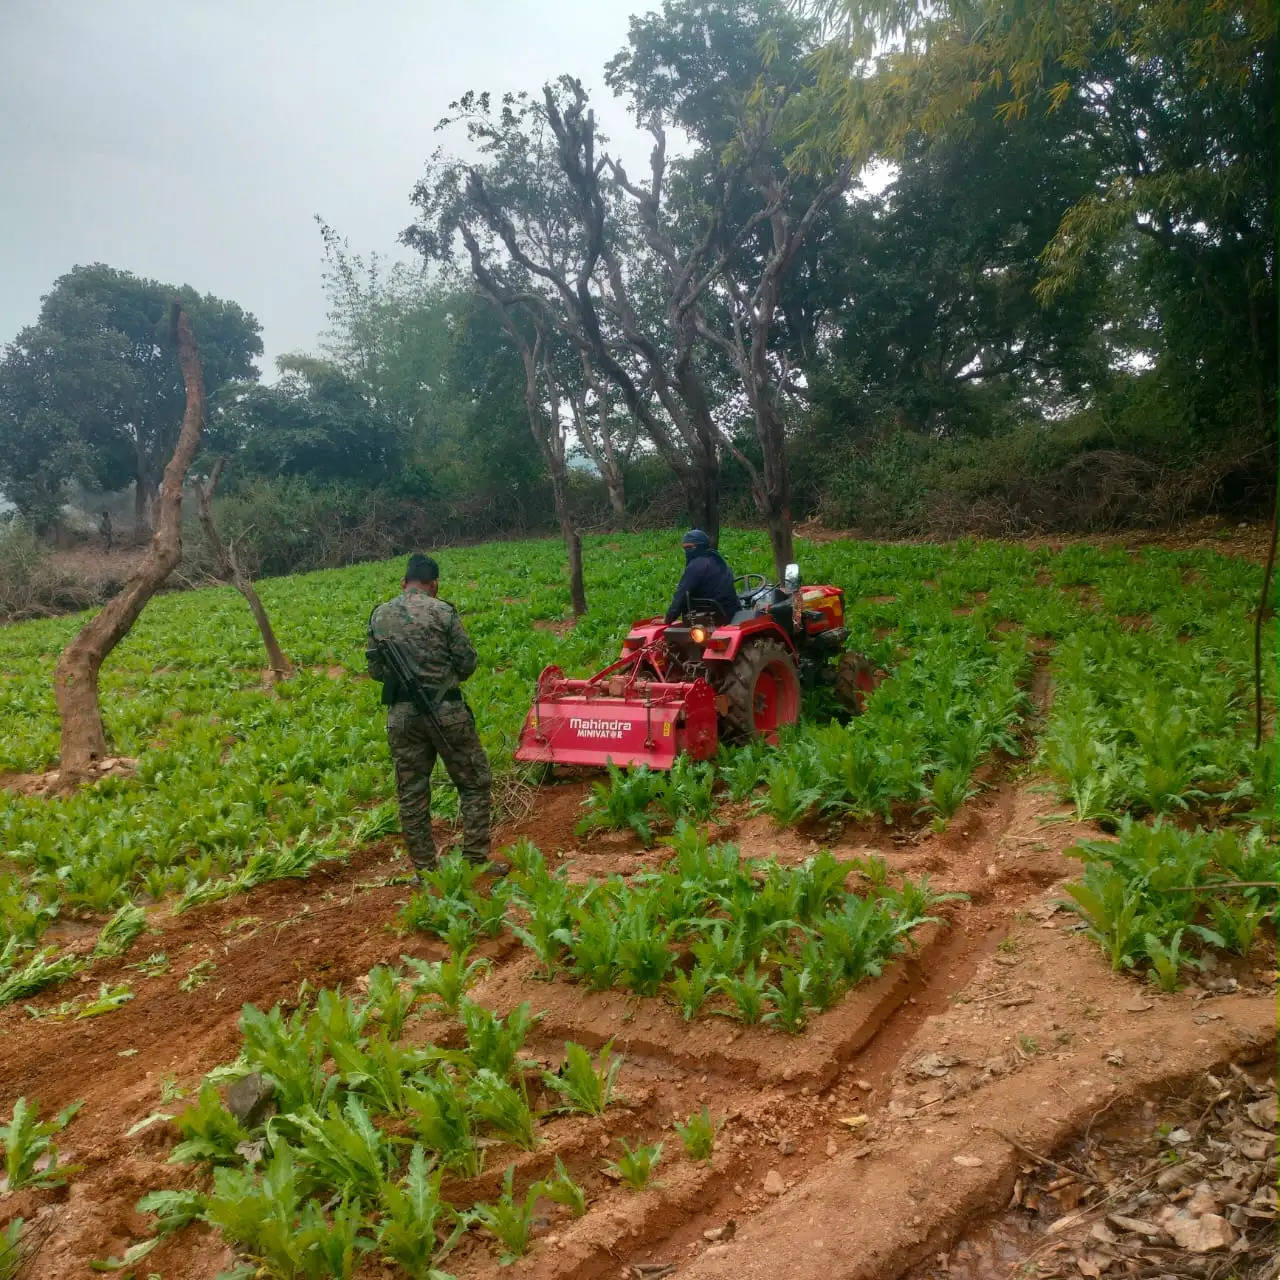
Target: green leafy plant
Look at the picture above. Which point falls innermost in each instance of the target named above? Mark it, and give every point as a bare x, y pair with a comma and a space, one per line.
119, 932
585, 1086
502, 1107
13, 1249
24, 972
560, 1188
30, 1155
442, 1122
636, 1164
447, 980
414, 1217
510, 1218
747, 993
698, 1134
790, 999
341, 1150
198, 975
174, 1209
494, 1042
209, 1131
690, 990
622, 802
391, 997
1166, 960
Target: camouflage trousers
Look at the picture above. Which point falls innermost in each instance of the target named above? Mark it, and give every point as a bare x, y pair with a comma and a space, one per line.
415, 744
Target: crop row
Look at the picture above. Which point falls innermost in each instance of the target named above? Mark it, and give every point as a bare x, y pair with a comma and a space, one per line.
349, 1139
754, 941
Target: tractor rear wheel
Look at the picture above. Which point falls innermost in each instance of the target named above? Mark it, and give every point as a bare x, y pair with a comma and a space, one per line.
855, 680
762, 692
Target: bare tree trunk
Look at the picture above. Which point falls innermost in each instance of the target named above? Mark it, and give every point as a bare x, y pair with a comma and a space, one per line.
617, 497
75, 681
229, 570
1258, 622
142, 496
573, 546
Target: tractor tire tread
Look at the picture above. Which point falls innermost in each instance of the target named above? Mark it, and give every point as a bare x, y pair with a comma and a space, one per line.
737, 724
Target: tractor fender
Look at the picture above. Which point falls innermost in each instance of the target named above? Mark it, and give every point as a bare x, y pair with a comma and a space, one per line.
725, 643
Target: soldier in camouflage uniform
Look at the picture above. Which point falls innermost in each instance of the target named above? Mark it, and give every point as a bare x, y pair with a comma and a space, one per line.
432, 633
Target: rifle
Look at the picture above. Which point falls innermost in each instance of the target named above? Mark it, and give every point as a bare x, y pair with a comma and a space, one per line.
407, 678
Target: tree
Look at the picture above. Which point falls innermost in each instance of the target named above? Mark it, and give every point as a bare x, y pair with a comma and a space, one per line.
497, 249
530, 203
1176, 99
931, 287
315, 422
228, 569
92, 391
75, 681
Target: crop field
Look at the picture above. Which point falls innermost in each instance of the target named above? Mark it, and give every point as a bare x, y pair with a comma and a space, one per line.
706, 1008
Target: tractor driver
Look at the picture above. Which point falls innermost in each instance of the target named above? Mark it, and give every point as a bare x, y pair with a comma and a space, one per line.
707, 582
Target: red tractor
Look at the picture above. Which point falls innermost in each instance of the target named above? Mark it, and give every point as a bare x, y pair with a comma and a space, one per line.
681, 687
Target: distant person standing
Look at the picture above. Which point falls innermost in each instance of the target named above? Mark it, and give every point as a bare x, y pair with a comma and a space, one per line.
428, 631
106, 530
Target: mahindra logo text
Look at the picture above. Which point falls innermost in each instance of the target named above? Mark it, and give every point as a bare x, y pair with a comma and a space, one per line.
587, 728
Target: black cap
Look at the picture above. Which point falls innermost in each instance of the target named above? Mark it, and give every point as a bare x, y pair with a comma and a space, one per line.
695, 538
421, 569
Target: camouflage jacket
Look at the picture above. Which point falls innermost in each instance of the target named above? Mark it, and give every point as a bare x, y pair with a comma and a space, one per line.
432, 632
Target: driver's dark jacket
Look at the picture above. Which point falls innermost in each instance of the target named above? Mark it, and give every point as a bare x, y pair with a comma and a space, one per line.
707, 583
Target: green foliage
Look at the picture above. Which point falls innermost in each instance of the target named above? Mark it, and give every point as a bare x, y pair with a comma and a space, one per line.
690, 990
12, 1249
341, 1150
30, 1155
1154, 884
93, 392
447, 980
412, 1216
747, 991
493, 1042
288, 1235
698, 1134
585, 1086
391, 997
119, 932
636, 1164
509, 1219
23, 972
173, 1209
442, 1122
560, 1188
622, 802
209, 1131
503, 1107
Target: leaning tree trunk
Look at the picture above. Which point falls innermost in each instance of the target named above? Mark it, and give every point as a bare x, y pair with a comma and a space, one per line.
228, 568
75, 681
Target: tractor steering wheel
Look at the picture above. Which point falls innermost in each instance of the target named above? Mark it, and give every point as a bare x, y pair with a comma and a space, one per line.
751, 583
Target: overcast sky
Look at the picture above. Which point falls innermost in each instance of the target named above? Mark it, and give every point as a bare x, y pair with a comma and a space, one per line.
194, 140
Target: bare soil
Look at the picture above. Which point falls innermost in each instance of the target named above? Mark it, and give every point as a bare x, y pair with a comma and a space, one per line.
860, 1148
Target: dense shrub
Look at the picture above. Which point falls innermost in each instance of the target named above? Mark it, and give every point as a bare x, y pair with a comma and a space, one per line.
31, 585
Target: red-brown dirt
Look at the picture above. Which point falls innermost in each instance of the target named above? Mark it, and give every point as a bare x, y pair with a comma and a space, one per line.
838, 1152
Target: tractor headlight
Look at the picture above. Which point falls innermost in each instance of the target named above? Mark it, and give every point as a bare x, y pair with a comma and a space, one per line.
698, 635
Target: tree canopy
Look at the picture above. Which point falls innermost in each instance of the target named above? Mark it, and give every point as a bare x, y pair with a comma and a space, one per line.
93, 392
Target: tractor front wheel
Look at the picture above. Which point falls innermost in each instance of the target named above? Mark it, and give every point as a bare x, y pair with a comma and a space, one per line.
855, 680
762, 692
